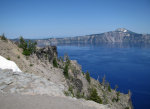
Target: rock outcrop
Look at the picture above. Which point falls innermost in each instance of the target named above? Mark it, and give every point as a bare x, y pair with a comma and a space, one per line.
47, 53
26, 83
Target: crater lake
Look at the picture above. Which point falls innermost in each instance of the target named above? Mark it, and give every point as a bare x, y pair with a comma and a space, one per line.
124, 65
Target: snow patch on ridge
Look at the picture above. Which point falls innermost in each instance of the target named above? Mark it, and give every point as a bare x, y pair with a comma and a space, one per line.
7, 64
122, 30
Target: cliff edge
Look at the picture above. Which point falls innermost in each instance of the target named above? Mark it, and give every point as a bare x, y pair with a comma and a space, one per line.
43, 73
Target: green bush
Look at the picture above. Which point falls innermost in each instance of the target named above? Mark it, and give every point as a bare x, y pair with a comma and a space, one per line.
31, 65
8, 58
94, 96
109, 88
83, 73
118, 94
61, 59
117, 98
88, 77
66, 93
55, 62
114, 99
70, 89
78, 95
26, 52
66, 71
18, 57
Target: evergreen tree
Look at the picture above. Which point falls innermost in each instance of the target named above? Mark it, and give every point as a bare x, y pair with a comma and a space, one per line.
28, 48
55, 62
88, 77
66, 71
94, 96
103, 81
109, 88
23, 44
3, 37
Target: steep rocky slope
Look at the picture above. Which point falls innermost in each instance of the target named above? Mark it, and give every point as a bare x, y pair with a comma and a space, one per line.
39, 76
120, 35
35, 63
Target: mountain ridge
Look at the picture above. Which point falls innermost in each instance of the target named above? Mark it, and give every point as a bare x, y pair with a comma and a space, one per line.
120, 35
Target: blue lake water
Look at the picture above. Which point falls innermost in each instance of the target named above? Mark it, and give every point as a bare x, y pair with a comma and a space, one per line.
125, 66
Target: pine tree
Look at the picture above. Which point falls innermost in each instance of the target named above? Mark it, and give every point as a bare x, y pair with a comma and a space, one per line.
88, 77
94, 96
55, 62
28, 48
66, 71
109, 88
3, 37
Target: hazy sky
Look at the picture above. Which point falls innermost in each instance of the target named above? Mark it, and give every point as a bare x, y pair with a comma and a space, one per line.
60, 18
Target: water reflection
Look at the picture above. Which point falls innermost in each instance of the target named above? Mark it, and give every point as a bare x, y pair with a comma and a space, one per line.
109, 45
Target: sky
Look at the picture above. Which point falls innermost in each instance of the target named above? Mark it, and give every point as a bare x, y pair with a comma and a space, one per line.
67, 18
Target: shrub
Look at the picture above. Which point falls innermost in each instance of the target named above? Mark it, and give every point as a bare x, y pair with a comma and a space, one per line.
114, 99
78, 95
127, 108
61, 59
83, 73
66, 71
55, 62
66, 58
26, 52
31, 65
66, 93
117, 98
8, 58
46, 57
88, 77
18, 57
109, 88
94, 96
70, 89
118, 94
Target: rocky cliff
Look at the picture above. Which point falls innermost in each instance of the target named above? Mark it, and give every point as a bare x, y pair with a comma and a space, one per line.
120, 35
45, 73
